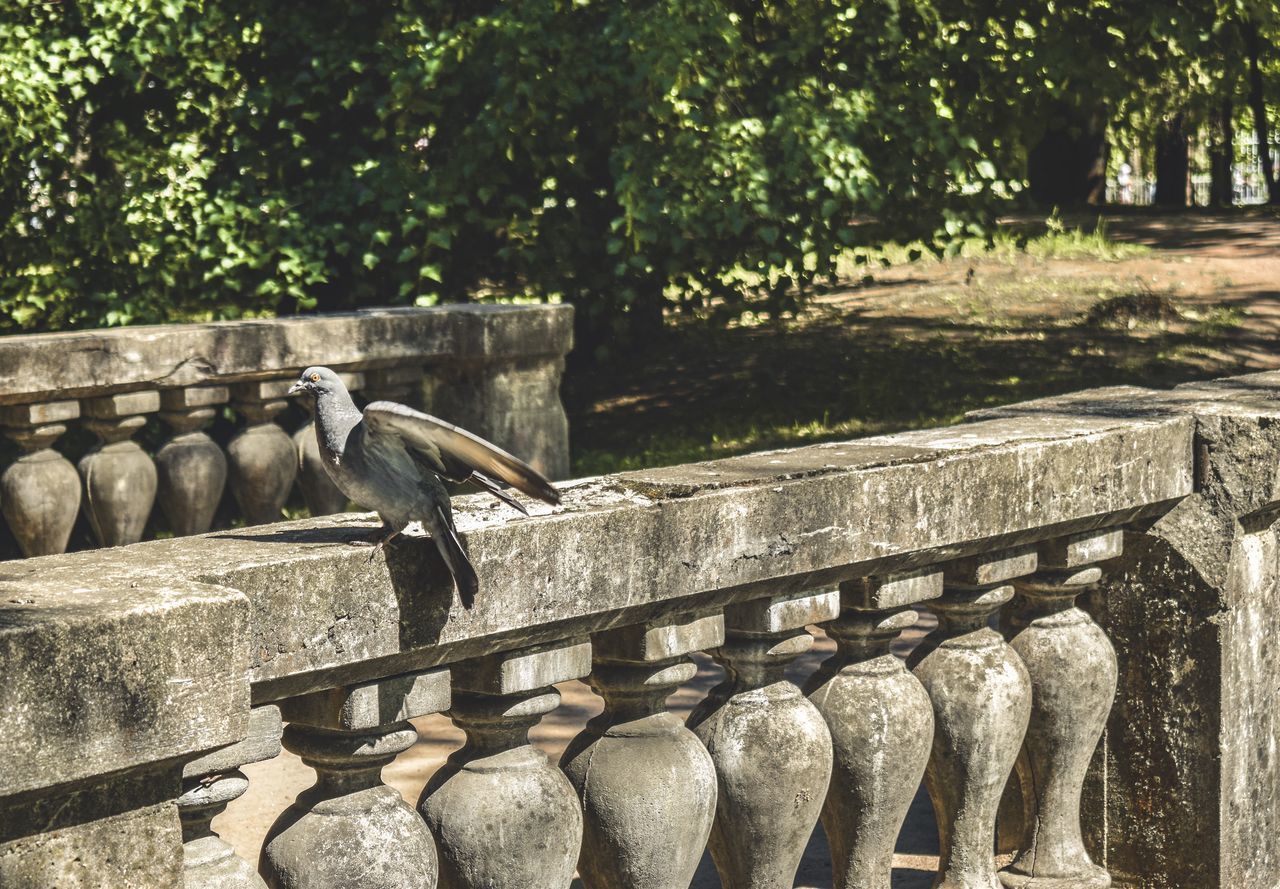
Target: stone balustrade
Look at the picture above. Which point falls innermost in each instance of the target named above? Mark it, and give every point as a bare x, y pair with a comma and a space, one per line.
492, 369
139, 680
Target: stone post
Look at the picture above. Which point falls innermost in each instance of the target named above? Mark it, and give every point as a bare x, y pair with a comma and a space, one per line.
1184, 789
881, 725
263, 459
1073, 682
402, 384
318, 490
502, 815
770, 746
192, 468
349, 829
981, 698
647, 784
208, 785
119, 476
512, 401
40, 491
116, 831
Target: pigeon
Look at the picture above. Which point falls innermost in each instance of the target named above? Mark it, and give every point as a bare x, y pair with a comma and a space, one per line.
393, 460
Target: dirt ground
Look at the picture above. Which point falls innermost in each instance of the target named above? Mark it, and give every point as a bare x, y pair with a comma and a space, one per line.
921, 343
912, 345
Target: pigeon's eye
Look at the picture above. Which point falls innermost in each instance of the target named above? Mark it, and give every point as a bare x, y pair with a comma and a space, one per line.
315, 378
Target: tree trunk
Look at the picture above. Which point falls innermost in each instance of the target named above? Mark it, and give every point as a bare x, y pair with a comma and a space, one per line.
1068, 166
1172, 162
1258, 102
1222, 150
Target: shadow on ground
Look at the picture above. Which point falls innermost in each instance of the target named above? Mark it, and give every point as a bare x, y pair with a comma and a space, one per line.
919, 345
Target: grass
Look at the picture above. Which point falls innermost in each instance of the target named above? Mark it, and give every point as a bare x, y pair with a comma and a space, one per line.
913, 345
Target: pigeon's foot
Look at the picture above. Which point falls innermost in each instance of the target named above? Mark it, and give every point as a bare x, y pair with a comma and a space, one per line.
377, 540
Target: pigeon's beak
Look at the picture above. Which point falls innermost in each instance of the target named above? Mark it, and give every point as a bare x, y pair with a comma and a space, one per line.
295, 388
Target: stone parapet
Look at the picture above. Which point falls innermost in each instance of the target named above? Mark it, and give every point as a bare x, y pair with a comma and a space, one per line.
494, 370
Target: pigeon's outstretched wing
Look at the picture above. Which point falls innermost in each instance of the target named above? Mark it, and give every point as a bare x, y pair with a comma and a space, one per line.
455, 453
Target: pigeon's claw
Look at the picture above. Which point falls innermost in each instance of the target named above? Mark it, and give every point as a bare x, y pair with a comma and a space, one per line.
377, 540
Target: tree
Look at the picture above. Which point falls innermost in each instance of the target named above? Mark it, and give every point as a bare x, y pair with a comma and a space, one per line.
194, 158
1255, 47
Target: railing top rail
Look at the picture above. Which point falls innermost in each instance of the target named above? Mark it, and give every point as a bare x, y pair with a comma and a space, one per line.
75, 364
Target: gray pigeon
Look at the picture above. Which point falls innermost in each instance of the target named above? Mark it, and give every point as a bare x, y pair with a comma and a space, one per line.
391, 459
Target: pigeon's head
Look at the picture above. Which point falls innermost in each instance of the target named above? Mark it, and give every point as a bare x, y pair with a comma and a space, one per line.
317, 381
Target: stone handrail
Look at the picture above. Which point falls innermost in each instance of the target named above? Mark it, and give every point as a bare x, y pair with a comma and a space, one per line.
138, 680
493, 369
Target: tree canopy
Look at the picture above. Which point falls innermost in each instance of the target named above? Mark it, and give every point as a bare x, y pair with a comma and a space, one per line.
168, 159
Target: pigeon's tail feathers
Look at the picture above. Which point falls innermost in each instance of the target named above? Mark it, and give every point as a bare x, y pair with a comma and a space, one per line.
464, 575
496, 490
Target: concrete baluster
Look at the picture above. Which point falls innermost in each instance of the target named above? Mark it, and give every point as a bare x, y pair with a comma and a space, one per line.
318, 490
350, 829
881, 724
1073, 671
119, 476
770, 746
192, 468
647, 784
208, 785
40, 491
981, 697
263, 459
502, 815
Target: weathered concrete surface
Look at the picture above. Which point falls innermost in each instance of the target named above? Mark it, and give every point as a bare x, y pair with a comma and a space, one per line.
647, 784
981, 698
119, 832
770, 745
348, 829
102, 676
881, 723
1186, 788
40, 367
503, 817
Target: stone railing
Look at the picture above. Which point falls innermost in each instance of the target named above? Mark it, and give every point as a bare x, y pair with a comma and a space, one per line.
139, 680
492, 369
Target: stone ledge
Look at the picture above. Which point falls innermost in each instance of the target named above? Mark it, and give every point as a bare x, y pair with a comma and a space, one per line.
40, 367
103, 676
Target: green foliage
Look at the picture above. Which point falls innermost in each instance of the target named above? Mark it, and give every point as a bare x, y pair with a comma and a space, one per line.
213, 158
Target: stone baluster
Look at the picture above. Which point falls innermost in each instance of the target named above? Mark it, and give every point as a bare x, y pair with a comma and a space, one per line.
208, 785
881, 724
119, 476
502, 815
192, 468
350, 829
40, 491
263, 459
770, 745
1073, 683
647, 785
318, 490
981, 697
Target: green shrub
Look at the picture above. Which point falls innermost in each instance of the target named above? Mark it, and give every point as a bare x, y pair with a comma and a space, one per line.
182, 159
